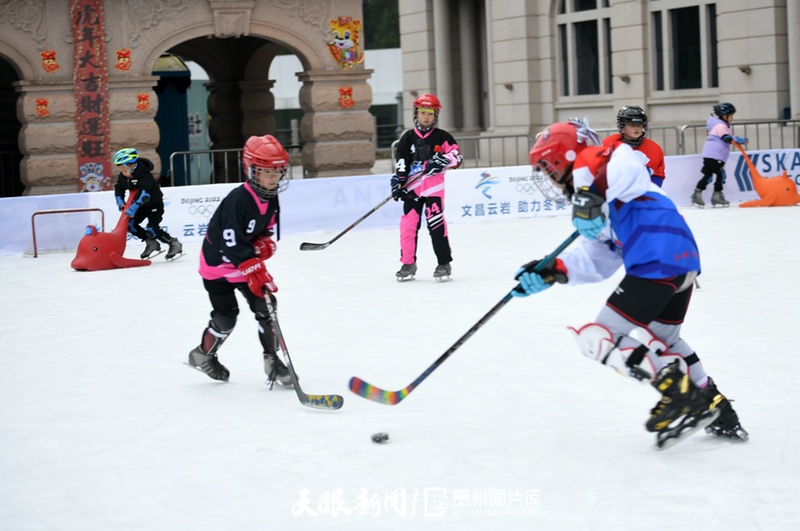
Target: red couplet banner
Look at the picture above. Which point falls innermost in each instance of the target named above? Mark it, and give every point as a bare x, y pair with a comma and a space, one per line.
91, 95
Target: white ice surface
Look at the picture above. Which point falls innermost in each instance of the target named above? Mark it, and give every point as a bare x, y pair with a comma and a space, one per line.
102, 426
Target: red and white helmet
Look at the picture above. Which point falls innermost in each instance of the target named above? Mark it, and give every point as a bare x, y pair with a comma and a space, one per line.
262, 155
428, 101
555, 151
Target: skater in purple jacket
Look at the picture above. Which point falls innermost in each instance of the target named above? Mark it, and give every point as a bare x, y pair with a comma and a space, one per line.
715, 154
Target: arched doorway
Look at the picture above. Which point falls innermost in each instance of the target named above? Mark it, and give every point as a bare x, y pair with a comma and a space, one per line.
10, 155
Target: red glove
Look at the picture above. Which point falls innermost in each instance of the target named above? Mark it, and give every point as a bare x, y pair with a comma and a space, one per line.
265, 247
257, 277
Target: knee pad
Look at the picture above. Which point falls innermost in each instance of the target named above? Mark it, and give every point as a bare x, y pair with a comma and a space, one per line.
596, 342
223, 323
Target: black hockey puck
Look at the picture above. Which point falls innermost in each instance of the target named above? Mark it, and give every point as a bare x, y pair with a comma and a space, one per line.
380, 438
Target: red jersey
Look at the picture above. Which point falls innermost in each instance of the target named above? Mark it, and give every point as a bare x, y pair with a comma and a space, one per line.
650, 149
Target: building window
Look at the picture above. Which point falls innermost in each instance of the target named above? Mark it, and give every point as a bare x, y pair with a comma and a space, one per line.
684, 54
584, 47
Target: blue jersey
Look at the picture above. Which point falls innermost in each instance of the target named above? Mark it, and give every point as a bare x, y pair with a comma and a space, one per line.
646, 233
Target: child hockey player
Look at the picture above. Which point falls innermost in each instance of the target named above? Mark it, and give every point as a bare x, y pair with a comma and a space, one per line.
632, 125
136, 173
715, 154
238, 240
625, 219
424, 153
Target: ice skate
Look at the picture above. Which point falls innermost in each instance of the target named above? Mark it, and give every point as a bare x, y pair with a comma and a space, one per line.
276, 371
151, 249
407, 272
717, 199
442, 273
682, 409
727, 424
697, 198
209, 364
175, 250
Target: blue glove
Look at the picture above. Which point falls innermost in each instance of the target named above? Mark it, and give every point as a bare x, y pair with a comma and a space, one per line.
531, 282
120, 202
143, 198
132, 209
587, 213
589, 228
740, 140
397, 187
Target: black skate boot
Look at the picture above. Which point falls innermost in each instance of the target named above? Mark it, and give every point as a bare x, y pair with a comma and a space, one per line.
209, 364
717, 199
682, 410
276, 371
151, 248
697, 198
407, 272
727, 424
442, 273
175, 249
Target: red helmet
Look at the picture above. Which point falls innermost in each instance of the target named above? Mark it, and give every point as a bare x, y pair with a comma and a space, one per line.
556, 149
261, 154
427, 100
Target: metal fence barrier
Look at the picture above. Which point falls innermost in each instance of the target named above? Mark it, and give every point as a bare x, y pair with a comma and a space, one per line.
488, 151
224, 165
213, 166
770, 134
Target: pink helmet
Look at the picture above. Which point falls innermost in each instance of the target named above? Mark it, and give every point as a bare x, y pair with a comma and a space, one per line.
264, 153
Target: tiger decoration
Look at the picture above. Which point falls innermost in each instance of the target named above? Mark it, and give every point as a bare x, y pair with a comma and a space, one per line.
344, 46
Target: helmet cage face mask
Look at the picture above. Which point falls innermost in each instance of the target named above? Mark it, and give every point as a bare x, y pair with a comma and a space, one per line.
259, 177
553, 186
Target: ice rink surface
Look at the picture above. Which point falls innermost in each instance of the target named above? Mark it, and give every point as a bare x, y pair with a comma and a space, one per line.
103, 427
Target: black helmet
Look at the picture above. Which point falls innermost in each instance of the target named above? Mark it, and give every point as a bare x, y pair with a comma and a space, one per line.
724, 109
632, 114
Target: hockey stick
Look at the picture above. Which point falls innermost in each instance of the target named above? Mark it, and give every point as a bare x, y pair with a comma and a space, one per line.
314, 401
306, 246
391, 398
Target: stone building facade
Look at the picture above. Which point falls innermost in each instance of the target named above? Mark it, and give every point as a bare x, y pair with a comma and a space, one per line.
508, 66
233, 40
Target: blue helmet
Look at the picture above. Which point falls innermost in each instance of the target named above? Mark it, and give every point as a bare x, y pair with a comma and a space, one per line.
126, 156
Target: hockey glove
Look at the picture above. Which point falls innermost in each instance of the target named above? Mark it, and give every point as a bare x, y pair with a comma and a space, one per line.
120, 202
531, 282
397, 187
740, 140
142, 199
265, 247
436, 164
587, 213
257, 277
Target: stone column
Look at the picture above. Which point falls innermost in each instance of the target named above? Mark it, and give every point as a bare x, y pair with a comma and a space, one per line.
258, 106
793, 19
225, 128
337, 138
470, 82
48, 143
444, 66
132, 107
